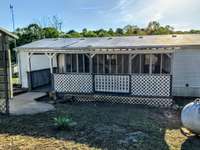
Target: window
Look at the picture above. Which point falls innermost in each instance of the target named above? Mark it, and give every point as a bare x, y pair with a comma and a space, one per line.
87, 63
145, 63
77, 63
166, 64
95, 64
119, 63
101, 63
113, 63
107, 63
74, 63
126, 64
68, 62
135, 67
156, 63
151, 63
110, 63
80, 63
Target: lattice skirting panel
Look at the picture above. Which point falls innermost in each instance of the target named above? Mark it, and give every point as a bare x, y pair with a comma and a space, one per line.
151, 85
2, 106
154, 101
73, 83
112, 83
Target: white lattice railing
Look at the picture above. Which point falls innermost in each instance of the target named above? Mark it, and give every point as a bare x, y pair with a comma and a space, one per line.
135, 84
112, 83
151, 85
73, 83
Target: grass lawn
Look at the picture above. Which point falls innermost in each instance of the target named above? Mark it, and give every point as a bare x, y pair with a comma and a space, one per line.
100, 126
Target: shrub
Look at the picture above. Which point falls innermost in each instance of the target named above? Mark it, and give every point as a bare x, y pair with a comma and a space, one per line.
64, 122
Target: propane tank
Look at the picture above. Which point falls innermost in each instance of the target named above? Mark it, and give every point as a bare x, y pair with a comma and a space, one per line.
190, 116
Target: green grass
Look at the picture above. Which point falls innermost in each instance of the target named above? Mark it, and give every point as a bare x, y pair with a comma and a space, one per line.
99, 126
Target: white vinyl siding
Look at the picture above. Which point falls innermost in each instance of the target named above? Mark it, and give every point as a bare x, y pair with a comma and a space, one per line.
38, 62
186, 73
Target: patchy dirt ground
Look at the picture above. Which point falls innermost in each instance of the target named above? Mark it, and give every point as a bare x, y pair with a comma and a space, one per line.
100, 126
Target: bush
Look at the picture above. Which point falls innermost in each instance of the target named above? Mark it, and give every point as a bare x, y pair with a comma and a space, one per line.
64, 123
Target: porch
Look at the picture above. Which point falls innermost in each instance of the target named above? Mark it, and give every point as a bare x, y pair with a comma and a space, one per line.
142, 74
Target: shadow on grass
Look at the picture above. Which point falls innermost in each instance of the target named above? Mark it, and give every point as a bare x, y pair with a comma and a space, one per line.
106, 126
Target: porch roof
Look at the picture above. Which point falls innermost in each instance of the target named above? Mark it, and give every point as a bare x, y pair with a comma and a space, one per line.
125, 42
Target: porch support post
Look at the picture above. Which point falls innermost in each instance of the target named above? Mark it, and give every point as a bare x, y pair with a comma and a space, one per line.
122, 63
83, 62
131, 57
140, 61
116, 55
50, 56
161, 63
91, 62
29, 72
110, 58
104, 55
130, 64
77, 62
97, 63
29, 62
150, 66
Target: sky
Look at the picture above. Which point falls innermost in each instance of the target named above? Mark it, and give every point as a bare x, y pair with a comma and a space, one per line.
97, 14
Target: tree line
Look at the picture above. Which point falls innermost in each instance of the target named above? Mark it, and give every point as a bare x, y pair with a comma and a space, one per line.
35, 32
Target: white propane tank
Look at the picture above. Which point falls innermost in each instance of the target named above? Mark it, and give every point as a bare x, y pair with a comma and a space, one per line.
190, 116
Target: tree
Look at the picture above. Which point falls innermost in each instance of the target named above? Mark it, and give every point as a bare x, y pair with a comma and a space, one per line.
90, 34
153, 27
119, 31
73, 34
131, 30
111, 32
28, 34
50, 32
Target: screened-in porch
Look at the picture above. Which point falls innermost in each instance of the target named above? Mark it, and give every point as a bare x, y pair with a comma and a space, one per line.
124, 74
115, 63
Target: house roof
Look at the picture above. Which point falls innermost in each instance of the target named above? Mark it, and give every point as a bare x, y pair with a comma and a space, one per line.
8, 33
148, 41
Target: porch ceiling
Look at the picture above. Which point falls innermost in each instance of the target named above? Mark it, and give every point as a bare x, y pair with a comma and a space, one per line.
91, 50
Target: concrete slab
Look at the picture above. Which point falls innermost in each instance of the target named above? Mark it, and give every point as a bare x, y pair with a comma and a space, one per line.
24, 104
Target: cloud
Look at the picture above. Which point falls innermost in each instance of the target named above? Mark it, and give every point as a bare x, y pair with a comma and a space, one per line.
176, 12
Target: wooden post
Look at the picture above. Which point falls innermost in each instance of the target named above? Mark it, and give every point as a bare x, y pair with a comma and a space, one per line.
91, 62
29, 72
130, 63
161, 63
83, 62
140, 61
97, 56
51, 56
116, 64
150, 64
77, 66
122, 63
104, 63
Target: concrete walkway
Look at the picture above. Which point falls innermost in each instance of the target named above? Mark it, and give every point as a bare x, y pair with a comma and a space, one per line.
25, 104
